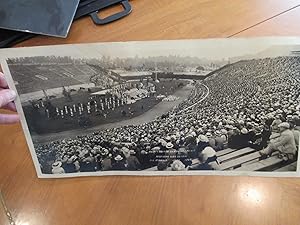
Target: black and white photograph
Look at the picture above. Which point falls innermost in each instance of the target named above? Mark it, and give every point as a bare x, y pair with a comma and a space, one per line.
188, 107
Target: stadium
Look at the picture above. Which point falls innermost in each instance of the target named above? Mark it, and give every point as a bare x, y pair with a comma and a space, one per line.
85, 116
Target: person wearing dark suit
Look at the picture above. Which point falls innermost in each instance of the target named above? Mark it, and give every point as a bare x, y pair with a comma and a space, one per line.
132, 161
119, 163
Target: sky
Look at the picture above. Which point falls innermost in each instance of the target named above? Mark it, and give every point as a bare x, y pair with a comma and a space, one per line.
214, 49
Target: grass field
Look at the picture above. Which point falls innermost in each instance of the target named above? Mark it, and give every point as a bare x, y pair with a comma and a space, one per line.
38, 122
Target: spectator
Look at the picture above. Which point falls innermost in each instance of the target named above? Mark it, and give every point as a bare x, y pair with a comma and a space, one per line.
119, 163
203, 165
177, 165
106, 163
57, 169
244, 138
248, 95
211, 140
69, 165
202, 143
132, 161
296, 131
285, 143
220, 141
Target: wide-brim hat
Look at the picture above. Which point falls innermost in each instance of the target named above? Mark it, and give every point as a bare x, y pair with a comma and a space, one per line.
56, 164
118, 158
203, 138
208, 134
284, 125
209, 151
177, 165
155, 148
104, 152
125, 150
169, 145
223, 131
131, 152
244, 131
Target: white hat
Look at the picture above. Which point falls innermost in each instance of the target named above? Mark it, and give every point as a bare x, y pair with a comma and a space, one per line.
208, 134
169, 145
118, 158
209, 151
104, 152
284, 125
203, 138
132, 152
125, 150
156, 148
56, 164
223, 131
244, 131
177, 165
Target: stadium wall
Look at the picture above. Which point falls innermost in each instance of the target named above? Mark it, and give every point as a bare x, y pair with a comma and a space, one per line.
25, 98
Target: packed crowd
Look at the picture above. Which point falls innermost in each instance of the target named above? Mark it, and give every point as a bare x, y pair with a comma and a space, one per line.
249, 102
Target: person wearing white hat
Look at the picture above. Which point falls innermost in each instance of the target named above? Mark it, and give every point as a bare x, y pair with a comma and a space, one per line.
275, 123
132, 162
177, 165
106, 163
203, 165
285, 143
202, 143
296, 131
220, 139
211, 140
119, 163
125, 152
203, 138
57, 169
170, 151
212, 159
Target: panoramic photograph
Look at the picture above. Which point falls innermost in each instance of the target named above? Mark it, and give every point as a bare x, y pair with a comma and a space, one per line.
155, 108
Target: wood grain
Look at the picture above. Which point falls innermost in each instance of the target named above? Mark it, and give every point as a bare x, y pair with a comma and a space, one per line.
165, 19
287, 24
155, 200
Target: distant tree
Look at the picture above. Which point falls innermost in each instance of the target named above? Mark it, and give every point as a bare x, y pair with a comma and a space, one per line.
200, 68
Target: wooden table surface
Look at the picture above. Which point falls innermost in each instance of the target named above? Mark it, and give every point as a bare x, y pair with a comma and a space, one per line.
156, 200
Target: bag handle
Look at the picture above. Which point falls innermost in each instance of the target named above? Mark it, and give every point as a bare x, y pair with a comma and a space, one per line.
127, 9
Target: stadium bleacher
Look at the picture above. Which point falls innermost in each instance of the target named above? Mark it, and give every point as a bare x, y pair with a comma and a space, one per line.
246, 94
35, 77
